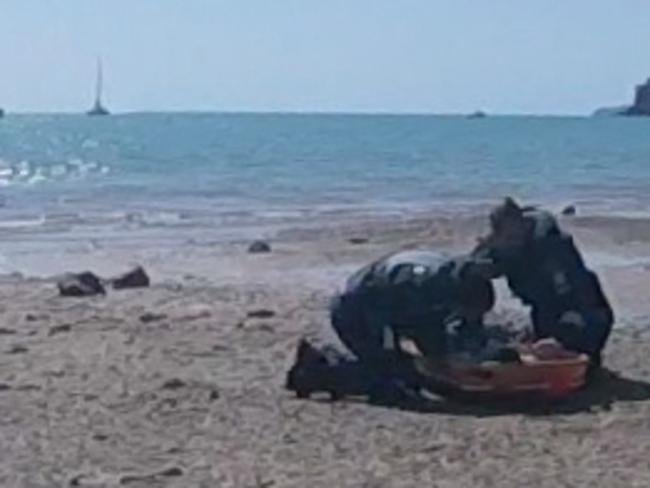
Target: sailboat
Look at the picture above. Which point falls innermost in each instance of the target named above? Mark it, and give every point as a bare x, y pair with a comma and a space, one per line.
98, 108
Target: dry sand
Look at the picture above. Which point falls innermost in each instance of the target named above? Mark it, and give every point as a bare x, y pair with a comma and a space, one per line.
175, 386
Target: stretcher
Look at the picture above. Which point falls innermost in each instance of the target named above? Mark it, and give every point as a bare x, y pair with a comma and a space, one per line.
550, 372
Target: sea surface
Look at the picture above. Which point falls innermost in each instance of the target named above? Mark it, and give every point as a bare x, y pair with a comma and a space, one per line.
70, 177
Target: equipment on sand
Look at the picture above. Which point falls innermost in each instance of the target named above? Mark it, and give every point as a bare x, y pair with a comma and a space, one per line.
545, 369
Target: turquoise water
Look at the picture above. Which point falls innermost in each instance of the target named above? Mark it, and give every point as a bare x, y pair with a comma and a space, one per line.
64, 172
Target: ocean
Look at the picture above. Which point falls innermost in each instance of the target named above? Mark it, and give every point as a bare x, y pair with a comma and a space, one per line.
65, 178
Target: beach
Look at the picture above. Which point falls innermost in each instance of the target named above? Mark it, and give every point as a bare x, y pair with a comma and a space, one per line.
186, 189
180, 385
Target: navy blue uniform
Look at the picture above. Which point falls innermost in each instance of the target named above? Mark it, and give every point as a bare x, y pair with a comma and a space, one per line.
550, 276
409, 294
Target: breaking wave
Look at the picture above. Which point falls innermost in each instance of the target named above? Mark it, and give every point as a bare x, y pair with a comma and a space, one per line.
26, 172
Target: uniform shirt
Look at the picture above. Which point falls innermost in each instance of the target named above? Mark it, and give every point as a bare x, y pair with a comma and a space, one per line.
549, 274
410, 293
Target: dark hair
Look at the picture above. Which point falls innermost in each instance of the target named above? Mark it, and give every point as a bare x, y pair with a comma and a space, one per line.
508, 210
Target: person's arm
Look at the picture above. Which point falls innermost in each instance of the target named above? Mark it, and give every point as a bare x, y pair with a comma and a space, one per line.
591, 301
484, 260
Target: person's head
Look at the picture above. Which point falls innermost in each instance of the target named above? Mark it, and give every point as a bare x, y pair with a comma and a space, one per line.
509, 229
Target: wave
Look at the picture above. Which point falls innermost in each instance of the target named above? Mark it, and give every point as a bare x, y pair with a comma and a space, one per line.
26, 172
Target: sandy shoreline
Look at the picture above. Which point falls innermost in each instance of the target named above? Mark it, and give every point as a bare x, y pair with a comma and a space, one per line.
175, 386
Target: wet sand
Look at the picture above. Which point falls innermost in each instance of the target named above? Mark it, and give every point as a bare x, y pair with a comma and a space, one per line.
176, 386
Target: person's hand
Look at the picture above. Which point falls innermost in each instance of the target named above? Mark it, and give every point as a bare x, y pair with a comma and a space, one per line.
549, 348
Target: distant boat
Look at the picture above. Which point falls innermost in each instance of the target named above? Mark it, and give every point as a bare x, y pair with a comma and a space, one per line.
2, 113
98, 108
477, 115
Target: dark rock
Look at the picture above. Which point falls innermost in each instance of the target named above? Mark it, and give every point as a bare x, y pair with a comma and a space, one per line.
261, 313
173, 384
4, 331
175, 471
100, 437
358, 240
152, 317
30, 317
136, 278
17, 349
214, 395
259, 247
138, 478
57, 329
5, 387
81, 285
569, 210
641, 105
126, 480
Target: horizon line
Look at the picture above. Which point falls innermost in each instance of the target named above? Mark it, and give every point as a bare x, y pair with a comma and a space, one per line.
405, 113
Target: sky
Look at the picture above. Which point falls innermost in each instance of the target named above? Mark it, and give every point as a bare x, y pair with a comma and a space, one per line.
422, 56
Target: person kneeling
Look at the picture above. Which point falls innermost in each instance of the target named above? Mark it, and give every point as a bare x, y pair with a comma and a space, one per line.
545, 270
410, 296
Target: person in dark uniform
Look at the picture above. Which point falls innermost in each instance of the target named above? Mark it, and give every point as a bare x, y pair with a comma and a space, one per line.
545, 270
415, 295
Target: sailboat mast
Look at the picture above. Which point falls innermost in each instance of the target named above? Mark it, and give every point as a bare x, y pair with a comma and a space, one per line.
98, 108
98, 87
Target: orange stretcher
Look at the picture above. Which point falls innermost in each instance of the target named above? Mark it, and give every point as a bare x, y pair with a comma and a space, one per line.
554, 373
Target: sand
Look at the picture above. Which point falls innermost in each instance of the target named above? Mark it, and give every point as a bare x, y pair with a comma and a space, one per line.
175, 386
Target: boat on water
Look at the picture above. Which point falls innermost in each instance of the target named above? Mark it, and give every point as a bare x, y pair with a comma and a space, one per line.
98, 108
2, 113
477, 115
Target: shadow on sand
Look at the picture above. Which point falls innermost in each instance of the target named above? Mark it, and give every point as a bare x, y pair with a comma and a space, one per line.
603, 390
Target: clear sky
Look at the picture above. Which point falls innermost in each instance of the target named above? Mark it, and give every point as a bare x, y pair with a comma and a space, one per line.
502, 56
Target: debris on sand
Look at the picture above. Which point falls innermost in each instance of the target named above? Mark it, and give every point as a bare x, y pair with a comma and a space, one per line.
262, 313
136, 278
57, 329
137, 478
30, 317
149, 317
569, 210
17, 349
259, 247
358, 240
173, 384
84, 284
